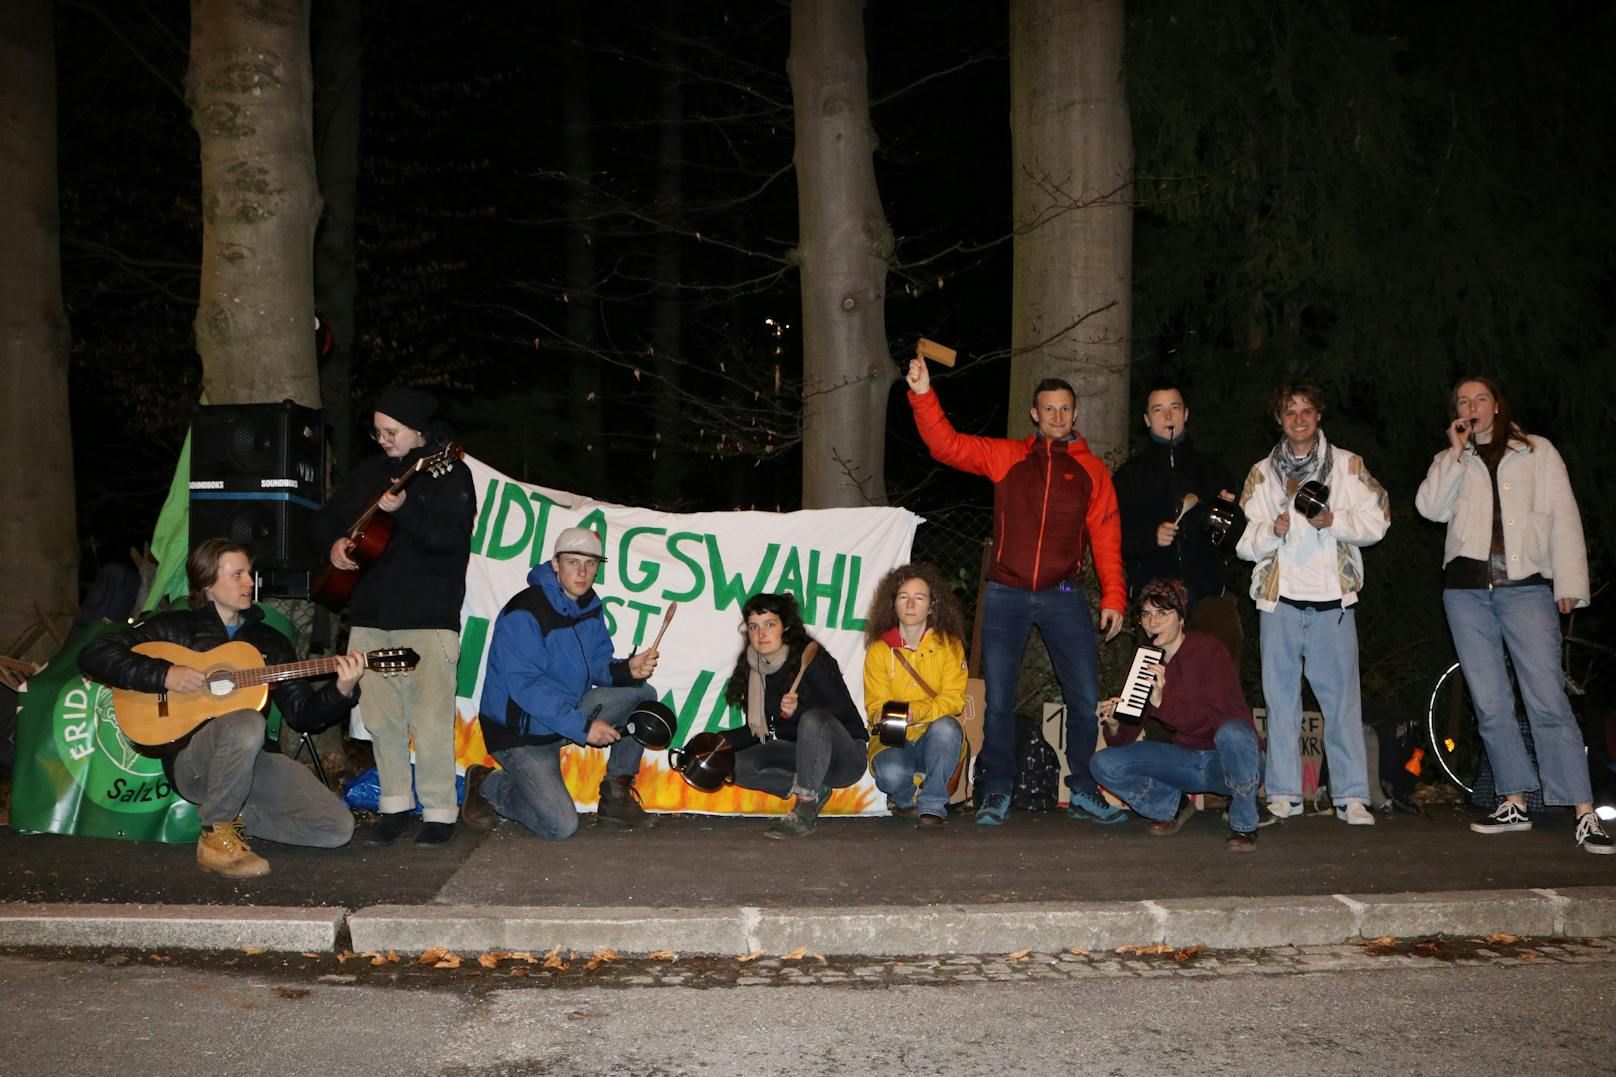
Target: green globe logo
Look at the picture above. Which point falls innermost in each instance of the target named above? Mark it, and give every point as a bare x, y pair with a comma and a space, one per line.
111, 771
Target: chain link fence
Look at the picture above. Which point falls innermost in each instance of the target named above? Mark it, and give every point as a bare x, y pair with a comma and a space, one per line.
1403, 642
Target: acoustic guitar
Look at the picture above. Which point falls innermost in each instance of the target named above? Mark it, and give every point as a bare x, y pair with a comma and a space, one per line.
370, 534
237, 680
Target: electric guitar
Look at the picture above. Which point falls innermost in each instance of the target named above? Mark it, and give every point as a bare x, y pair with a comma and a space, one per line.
237, 680
370, 534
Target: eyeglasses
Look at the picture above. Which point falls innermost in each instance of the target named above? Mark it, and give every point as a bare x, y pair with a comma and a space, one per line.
385, 435
1146, 616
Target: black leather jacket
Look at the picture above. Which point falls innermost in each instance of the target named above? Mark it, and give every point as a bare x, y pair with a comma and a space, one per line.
111, 660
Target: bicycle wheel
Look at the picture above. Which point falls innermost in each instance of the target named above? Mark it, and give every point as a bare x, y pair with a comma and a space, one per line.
1450, 727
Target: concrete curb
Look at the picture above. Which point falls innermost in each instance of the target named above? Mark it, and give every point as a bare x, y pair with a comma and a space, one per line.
875, 931
1220, 923
182, 927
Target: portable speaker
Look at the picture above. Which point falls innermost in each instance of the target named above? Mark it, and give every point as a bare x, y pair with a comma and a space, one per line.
276, 525
250, 448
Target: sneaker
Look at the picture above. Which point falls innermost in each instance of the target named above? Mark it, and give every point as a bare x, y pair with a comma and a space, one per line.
1355, 814
994, 811
1506, 818
1240, 841
1162, 828
435, 833
223, 851
796, 823
1093, 808
1591, 836
476, 812
389, 827
1284, 809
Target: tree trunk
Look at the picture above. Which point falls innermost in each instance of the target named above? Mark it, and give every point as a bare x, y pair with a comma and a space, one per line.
843, 253
250, 91
668, 322
38, 541
338, 44
584, 409
1072, 161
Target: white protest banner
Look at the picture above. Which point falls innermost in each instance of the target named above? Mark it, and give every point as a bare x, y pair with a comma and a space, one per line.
709, 563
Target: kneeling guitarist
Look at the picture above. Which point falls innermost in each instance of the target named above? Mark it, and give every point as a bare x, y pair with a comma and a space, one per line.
222, 767
409, 597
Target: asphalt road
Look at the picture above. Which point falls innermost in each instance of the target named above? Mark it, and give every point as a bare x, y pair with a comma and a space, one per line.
91, 1015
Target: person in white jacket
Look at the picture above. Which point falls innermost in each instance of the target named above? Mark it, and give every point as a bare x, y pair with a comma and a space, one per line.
1513, 561
1308, 575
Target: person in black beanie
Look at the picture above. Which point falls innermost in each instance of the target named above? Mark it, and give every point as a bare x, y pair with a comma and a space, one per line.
1161, 539
410, 597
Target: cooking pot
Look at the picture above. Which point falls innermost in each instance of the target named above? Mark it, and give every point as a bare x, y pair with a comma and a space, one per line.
706, 761
653, 724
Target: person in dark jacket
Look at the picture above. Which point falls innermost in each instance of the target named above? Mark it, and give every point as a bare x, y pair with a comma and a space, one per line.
801, 743
551, 679
1197, 697
410, 597
1164, 533
222, 767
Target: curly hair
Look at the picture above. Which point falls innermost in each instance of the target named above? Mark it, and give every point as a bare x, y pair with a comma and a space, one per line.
1166, 594
794, 634
1305, 390
946, 616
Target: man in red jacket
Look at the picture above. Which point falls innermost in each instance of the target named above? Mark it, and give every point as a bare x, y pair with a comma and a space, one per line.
1052, 501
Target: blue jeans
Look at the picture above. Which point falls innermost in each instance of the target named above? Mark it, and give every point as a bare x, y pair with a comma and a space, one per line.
933, 755
1152, 776
1324, 645
529, 788
1525, 620
1068, 629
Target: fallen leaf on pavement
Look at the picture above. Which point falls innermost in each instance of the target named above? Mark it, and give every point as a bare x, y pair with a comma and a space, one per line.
1382, 941
1529, 955
1158, 948
432, 956
522, 955
252, 949
310, 953
821, 959
452, 961
556, 949
1189, 951
392, 955
753, 956
554, 962
606, 954
342, 958
488, 961
577, 1015
520, 970
378, 959
795, 955
663, 955
1499, 936
160, 957
1021, 955
1079, 951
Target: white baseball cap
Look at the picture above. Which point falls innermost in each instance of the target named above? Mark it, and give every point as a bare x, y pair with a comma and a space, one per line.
579, 540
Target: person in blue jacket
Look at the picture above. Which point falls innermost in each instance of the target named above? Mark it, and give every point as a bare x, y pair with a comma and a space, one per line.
552, 679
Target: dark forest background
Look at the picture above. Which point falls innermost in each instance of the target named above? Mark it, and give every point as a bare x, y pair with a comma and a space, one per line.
1378, 196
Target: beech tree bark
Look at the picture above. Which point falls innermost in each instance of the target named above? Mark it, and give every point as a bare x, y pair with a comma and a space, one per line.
38, 539
844, 248
250, 90
1071, 201
338, 44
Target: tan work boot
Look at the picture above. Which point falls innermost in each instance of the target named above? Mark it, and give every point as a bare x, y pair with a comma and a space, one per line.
223, 851
620, 804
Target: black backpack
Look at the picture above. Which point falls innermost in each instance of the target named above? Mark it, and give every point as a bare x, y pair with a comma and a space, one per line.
1037, 785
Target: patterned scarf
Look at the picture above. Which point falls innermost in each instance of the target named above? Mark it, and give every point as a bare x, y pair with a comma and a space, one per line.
1293, 471
761, 666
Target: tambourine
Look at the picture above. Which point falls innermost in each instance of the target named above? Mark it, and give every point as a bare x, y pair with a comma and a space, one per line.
706, 762
892, 729
1312, 498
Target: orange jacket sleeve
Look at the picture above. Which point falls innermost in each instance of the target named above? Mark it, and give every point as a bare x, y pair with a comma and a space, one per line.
1104, 522
990, 457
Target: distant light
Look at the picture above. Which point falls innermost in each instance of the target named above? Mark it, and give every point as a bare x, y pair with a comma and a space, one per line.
1605, 812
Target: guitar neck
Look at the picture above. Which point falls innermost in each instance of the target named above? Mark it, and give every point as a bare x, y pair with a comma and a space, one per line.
287, 671
399, 484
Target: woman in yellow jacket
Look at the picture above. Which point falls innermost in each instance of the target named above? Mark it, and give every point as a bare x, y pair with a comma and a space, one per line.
915, 631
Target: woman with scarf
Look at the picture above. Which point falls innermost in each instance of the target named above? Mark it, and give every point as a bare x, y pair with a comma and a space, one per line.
916, 657
1513, 561
802, 742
